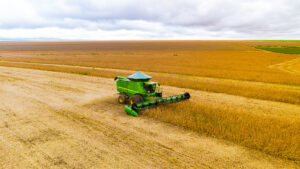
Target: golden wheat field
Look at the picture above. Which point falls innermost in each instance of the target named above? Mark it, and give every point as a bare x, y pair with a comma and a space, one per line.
59, 109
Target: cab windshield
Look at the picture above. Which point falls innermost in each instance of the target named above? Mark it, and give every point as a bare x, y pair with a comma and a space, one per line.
152, 88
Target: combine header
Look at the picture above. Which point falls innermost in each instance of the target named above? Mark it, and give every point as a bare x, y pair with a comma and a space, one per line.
142, 94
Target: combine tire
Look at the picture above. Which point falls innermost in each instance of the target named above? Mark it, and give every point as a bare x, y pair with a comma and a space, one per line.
135, 99
122, 98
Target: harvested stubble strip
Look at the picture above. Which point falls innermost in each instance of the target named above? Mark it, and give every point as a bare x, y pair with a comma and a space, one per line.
220, 86
75, 70
273, 135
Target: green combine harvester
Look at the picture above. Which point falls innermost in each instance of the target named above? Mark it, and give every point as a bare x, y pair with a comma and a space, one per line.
142, 93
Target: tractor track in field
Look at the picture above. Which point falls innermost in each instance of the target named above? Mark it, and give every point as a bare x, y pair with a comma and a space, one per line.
290, 66
60, 120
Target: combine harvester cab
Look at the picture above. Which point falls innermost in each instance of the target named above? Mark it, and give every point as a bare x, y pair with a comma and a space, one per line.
141, 93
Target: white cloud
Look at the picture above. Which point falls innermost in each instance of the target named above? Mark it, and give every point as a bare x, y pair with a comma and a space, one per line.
149, 19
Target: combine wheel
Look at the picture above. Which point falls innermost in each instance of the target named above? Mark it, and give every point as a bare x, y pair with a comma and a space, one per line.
122, 98
135, 99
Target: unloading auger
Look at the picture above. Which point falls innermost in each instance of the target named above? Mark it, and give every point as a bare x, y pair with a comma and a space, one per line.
142, 93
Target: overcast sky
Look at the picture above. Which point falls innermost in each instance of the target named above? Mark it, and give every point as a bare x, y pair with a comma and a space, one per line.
149, 19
